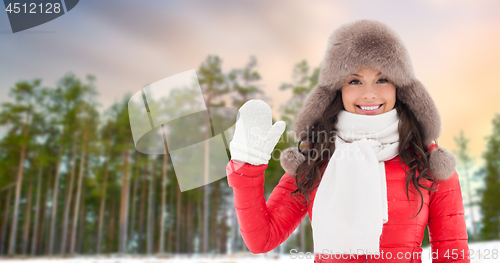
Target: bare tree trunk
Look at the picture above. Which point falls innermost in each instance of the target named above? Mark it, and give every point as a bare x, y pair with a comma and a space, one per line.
234, 224
27, 220
5, 221
78, 193
44, 238
54, 203
178, 234
170, 216
134, 197
205, 207
69, 196
200, 226
140, 247
37, 212
215, 219
223, 236
124, 204
81, 232
103, 202
13, 231
185, 241
161, 248
150, 213
111, 226
188, 222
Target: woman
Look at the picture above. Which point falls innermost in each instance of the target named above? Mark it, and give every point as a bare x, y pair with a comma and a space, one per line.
369, 172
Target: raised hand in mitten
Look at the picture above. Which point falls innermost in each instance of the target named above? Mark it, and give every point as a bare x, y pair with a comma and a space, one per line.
255, 137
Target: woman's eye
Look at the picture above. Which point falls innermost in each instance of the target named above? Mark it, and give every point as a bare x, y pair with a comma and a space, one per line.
354, 81
383, 80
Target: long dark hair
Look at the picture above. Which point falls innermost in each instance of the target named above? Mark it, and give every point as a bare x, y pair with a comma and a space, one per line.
321, 147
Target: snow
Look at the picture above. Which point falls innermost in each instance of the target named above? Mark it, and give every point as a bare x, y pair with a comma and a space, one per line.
481, 252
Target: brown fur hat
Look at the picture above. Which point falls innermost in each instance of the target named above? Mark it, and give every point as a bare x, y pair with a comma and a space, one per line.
370, 44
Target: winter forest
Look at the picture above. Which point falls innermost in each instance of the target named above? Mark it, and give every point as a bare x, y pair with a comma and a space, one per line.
72, 182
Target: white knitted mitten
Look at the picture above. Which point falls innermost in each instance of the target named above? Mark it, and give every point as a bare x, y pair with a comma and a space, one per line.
255, 137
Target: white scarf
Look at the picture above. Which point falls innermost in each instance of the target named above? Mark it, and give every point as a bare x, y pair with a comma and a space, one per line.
350, 206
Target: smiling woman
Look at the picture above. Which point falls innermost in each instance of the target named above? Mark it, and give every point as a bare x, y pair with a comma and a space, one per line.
370, 177
368, 92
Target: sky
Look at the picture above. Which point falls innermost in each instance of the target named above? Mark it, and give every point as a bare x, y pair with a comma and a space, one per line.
129, 44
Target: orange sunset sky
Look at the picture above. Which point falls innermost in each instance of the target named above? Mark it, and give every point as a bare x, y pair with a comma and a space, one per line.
454, 47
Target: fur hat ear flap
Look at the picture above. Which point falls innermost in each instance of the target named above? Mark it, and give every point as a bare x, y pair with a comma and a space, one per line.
290, 160
420, 103
315, 105
442, 163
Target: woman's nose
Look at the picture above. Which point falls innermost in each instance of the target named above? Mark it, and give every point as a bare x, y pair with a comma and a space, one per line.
370, 92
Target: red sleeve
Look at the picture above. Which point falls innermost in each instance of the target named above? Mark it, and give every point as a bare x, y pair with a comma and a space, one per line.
446, 223
263, 225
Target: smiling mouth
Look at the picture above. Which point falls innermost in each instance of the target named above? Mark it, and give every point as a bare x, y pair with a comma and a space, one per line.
372, 109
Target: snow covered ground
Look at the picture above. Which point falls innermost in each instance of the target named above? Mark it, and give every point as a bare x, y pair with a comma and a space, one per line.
481, 252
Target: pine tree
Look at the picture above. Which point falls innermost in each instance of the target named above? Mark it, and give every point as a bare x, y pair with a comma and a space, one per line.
242, 82
301, 85
211, 81
19, 115
490, 193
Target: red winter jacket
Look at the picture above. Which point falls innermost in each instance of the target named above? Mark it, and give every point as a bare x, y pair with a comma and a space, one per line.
265, 225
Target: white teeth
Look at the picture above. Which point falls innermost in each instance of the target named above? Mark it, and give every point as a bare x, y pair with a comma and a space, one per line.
369, 108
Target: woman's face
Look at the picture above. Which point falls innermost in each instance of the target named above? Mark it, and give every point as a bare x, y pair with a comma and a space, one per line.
368, 92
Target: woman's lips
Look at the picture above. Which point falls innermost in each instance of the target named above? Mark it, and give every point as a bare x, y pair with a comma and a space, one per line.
370, 112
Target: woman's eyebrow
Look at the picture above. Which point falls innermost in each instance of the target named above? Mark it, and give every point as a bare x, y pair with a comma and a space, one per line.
354, 74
